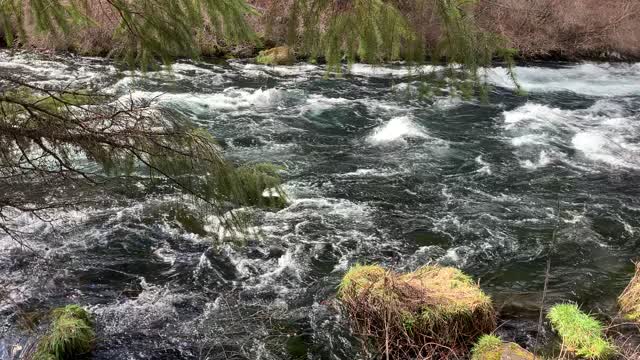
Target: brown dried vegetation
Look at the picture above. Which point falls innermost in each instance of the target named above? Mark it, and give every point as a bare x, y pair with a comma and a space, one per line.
431, 313
567, 29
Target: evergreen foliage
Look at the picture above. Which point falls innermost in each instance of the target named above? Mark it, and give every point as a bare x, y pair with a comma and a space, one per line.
150, 30
51, 136
375, 31
366, 30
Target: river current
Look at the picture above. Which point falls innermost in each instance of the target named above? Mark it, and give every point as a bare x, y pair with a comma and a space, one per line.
374, 174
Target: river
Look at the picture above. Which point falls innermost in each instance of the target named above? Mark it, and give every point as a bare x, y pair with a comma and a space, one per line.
374, 174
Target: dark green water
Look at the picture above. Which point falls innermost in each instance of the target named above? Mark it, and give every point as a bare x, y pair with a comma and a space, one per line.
375, 175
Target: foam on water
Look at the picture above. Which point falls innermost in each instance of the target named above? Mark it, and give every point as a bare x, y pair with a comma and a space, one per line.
370, 173
230, 99
605, 147
587, 79
57, 71
389, 71
485, 167
542, 161
396, 130
153, 308
257, 70
604, 134
316, 103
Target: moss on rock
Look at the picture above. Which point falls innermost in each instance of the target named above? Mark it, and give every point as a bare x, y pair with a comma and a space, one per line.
581, 334
431, 312
629, 301
490, 347
281, 55
71, 334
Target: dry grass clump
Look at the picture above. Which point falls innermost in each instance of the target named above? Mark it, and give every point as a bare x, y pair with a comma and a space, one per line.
490, 347
629, 301
432, 313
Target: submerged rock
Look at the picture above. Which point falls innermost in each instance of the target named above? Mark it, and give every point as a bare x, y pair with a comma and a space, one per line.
629, 301
490, 347
431, 312
581, 334
281, 55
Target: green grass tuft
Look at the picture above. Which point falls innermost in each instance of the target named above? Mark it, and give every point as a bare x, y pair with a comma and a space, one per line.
360, 276
487, 348
581, 334
71, 334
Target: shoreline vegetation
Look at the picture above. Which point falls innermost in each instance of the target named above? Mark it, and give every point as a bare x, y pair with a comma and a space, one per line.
439, 312
538, 30
434, 312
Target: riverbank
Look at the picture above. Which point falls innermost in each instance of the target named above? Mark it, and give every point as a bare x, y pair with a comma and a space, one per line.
550, 30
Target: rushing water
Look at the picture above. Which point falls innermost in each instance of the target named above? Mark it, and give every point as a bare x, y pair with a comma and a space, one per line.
375, 174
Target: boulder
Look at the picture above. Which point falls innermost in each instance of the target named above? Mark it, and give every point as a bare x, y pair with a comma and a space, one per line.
490, 347
281, 55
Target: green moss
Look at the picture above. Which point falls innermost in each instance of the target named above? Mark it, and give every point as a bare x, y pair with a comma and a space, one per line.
281, 55
490, 347
71, 334
581, 334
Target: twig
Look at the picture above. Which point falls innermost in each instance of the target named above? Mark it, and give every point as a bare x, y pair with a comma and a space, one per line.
546, 279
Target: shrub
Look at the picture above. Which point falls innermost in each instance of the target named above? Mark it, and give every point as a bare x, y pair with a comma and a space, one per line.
429, 313
71, 334
581, 334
